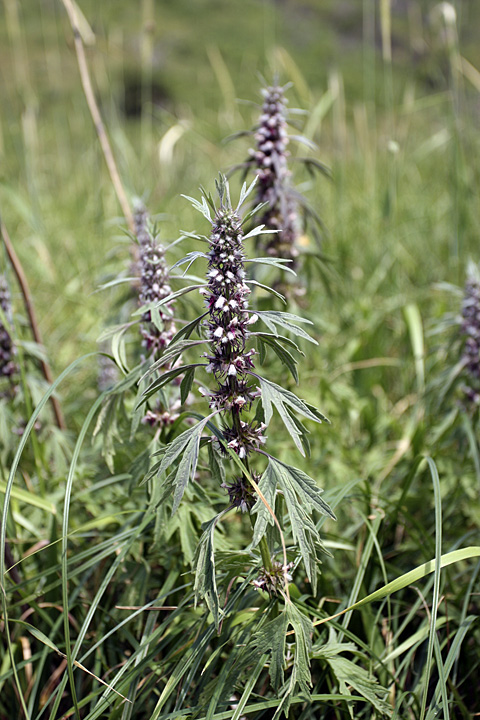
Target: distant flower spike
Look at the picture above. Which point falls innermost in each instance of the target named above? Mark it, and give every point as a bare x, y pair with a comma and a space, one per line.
154, 286
471, 332
269, 157
8, 366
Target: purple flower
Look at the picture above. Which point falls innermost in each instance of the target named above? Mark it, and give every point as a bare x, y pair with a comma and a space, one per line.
8, 366
269, 157
227, 325
470, 328
154, 286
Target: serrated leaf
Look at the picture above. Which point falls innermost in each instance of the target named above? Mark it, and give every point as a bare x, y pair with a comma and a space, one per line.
268, 289
279, 263
302, 495
187, 444
303, 628
287, 341
272, 318
205, 585
274, 395
186, 384
285, 357
271, 639
350, 675
201, 207
268, 487
304, 486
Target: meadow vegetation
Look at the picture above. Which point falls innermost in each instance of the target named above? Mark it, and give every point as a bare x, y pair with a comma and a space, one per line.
259, 595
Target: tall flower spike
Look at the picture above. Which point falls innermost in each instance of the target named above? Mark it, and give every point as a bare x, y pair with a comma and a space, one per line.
154, 286
226, 298
471, 332
270, 160
8, 366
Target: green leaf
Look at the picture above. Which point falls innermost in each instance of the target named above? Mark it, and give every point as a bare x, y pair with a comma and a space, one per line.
167, 299
186, 384
29, 498
187, 329
278, 338
285, 357
201, 207
205, 583
268, 289
259, 231
304, 486
271, 639
170, 354
268, 487
350, 675
187, 444
279, 263
215, 464
274, 395
272, 318
302, 495
164, 379
303, 628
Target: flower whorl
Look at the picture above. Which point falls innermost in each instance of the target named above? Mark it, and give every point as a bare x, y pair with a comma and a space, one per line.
154, 286
8, 366
270, 159
471, 331
226, 297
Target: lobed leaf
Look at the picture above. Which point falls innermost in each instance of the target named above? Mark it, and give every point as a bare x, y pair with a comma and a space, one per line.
274, 395
272, 318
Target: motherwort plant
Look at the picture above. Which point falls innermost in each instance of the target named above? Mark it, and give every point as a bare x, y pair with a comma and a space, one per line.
470, 329
8, 365
157, 325
241, 404
285, 209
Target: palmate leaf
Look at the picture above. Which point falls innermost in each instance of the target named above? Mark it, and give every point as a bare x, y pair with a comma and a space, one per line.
274, 395
272, 318
302, 496
300, 673
271, 639
205, 585
187, 444
350, 675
